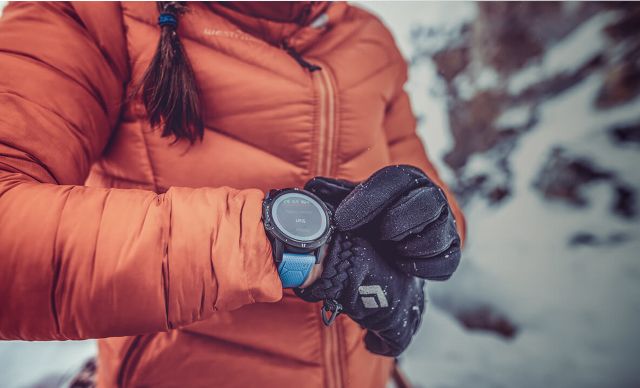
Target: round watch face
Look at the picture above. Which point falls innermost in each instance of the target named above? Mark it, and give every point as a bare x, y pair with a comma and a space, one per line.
299, 216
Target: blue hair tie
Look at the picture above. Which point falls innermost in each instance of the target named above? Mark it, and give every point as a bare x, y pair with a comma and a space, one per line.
167, 19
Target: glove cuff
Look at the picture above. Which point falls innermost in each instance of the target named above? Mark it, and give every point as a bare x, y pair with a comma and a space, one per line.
335, 275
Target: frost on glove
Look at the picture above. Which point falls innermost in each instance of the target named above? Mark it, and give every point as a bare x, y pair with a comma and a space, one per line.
358, 282
403, 213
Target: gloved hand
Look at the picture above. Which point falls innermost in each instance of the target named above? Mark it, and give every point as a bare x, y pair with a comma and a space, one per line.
378, 296
403, 210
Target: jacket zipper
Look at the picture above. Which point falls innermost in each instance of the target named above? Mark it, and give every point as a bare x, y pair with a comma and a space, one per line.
332, 356
323, 84
325, 140
324, 152
327, 120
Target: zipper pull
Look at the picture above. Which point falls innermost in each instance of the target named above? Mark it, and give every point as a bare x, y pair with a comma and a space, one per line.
330, 306
301, 61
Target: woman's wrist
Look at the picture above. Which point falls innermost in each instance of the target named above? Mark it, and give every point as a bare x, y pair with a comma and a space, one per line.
314, 275
317, 269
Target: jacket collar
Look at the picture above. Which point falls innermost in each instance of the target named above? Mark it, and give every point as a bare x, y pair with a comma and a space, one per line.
294, 24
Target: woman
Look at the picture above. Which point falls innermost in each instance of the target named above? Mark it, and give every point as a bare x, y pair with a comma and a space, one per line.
132, 176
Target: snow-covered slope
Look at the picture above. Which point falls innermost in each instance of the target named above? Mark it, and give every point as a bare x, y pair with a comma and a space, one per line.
576, 307
566, 277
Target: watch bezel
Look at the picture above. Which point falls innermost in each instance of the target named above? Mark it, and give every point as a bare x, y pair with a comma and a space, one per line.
274, 231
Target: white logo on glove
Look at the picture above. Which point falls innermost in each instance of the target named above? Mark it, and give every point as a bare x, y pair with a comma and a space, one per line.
370, 302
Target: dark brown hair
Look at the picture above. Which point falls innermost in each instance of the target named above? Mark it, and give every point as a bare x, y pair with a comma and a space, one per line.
168, 87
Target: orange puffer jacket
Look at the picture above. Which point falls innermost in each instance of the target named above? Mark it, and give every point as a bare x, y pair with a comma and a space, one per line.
108, 229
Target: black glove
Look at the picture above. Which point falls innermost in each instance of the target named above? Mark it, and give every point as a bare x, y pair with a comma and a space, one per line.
403, 209
378, 296
331, 191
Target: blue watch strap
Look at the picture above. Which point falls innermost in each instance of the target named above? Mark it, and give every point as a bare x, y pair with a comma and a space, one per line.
295, 268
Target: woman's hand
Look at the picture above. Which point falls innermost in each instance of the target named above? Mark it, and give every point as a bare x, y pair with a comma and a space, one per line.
317, 269
403, 213
314, 275
357, 281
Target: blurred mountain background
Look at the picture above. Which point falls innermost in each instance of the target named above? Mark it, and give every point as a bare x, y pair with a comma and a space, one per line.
532, 113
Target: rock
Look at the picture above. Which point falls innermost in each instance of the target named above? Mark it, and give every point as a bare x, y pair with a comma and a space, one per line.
626, 134
562, 177
501, 36
451, 62
487, 319
628, 26
86, 378
472, 126
590, 239
583, 238
506, 40
625, 203
621, 85
498, 194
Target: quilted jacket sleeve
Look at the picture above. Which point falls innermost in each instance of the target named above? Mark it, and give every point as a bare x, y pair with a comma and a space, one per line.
79, 262
406, 147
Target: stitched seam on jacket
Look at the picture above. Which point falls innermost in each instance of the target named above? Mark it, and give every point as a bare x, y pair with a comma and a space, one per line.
106, 175
226, 54
368, 77
8, 169
403, 139
256, 64
139, 120
28, 158
335, 147
255, 349
350, 158
109, 58
166, 274
154, 181
97, 239
244, 259
57, 264
93, 93
74, 130
261, 149
315, 116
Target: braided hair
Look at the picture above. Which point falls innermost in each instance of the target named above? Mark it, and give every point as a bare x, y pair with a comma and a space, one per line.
168, 87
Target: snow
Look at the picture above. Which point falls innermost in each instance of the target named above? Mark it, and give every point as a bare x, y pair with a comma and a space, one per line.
24, 364
402, 16
577, 308
487, 79
476, 80
516, 117
571, 122
568, 55
426, 90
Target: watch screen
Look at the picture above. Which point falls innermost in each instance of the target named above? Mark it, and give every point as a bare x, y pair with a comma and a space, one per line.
299, 216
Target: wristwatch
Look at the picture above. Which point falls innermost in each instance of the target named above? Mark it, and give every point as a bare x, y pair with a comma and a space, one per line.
298, 224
